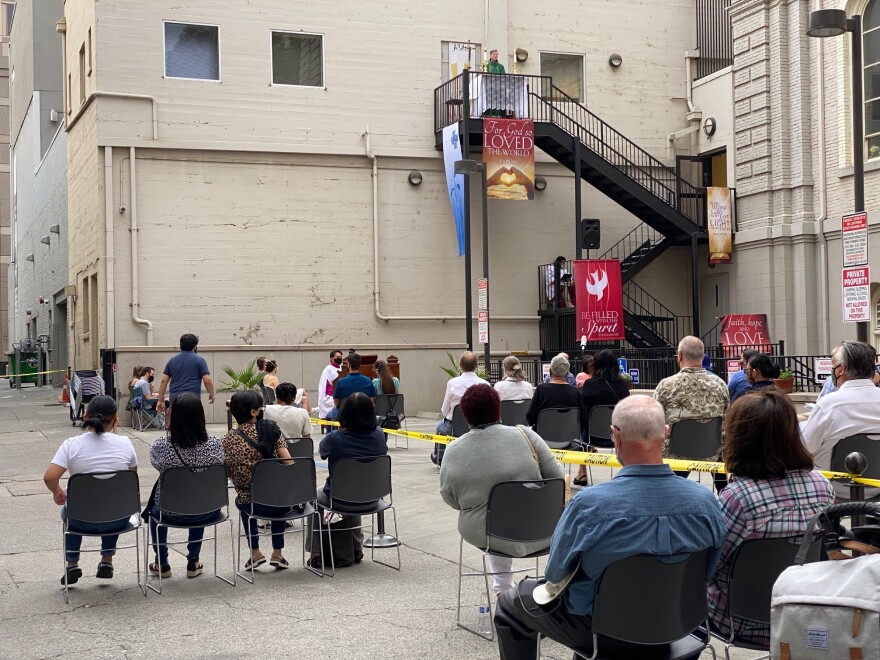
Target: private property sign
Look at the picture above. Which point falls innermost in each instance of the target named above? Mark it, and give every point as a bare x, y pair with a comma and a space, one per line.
856, 294
854, 239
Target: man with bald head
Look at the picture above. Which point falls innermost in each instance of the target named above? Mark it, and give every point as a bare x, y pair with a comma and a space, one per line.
645, 509
455, 389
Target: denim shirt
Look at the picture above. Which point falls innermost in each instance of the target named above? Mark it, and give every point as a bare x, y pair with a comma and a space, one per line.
645, 509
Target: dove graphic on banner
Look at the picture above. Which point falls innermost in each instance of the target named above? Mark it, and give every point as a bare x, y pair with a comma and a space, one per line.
599, 300
454, 182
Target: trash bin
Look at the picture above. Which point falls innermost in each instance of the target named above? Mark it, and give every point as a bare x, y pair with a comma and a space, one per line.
26, 363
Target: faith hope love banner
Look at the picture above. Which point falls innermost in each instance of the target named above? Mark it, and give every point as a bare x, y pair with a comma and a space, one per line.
599, 299
509, 155
744, 330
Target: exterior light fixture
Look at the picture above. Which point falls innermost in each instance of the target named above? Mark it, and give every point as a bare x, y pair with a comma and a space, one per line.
827, 23
710, 126
521, 54
615, 60
44, 240
540, 183
55, 229
415, 178
30, 258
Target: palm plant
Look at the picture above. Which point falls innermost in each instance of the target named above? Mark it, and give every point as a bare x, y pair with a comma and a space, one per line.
246, 379
455, 370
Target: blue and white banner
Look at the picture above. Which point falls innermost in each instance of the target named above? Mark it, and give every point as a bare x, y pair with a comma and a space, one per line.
454, 182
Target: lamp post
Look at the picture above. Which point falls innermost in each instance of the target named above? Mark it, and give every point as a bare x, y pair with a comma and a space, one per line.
833, 23
472, 167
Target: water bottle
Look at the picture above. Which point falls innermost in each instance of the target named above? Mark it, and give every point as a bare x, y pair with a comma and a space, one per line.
484, 625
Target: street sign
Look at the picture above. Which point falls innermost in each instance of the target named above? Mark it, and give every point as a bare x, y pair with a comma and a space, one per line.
484, 328
822, 369
634, 374
856, 294
733, 366
621, 365
483, 294
854, 239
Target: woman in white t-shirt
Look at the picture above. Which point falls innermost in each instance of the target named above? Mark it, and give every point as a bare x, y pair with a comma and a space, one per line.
99, 449
513, 387
293, 422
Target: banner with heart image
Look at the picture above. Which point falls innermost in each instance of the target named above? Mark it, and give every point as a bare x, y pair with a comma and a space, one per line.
599, 300
509, 155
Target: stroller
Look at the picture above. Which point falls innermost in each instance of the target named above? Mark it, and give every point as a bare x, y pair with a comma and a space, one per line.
82, 388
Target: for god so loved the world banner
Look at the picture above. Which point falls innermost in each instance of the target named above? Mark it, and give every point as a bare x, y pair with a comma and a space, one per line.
509, 155
599, 299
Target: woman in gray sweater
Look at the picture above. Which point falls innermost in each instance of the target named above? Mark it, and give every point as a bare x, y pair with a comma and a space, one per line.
484, 456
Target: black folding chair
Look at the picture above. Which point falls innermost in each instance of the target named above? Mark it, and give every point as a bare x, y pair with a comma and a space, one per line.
755, 566
560, 427
300, 447
513, 413
696, 439
642, 600
386, 403
192, 492
358, 487
291, 486
517, 512
102, 497
459, 428
599, 427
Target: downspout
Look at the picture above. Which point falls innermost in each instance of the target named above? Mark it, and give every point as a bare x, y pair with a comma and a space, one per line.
109, 285
119, 95
694, 116
61, 28
823, 204
377, 309
132, 214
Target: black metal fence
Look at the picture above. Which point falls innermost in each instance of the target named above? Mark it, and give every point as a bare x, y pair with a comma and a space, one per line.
714, 37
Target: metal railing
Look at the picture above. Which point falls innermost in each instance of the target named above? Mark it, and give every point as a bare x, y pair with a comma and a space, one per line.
714, 37
668, 325
636, 245
536, 97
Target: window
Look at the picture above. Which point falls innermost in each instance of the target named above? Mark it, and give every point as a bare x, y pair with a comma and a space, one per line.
89, 53
69, 86
6, 17
567, 72
192, 51
297, 59
82, 74
871, 62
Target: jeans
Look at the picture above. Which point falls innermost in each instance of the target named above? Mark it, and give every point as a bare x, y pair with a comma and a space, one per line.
444, 427
252, 533
160, 534
73, 542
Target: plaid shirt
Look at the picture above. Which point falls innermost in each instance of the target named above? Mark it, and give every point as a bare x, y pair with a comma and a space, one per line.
762, 509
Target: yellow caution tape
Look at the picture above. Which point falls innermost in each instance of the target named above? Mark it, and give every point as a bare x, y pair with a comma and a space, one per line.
35, 373
610, 460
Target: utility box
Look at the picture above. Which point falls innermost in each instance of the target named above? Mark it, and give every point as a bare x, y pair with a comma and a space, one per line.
26, 364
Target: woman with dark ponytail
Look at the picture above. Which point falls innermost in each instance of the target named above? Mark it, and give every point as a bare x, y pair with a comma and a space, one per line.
254, 440
99, 449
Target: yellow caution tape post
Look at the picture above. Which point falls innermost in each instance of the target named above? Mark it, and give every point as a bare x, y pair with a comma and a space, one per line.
610, 460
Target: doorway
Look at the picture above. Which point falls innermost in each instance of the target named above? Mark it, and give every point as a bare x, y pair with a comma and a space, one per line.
714, 300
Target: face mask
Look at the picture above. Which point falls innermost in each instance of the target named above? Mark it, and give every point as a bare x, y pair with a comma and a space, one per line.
337, 361
151, 379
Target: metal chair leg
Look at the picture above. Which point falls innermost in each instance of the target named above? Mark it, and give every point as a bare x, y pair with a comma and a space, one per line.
238, 554
396, 544
462, 574
142, 586
64, 562
231, 538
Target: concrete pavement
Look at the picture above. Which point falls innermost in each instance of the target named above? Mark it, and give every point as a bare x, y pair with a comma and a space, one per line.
367, 611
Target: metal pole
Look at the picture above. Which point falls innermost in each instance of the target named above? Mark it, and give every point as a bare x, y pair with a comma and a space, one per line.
855, 28
695, 291
577, 198
380, 539
485, 194
466, 154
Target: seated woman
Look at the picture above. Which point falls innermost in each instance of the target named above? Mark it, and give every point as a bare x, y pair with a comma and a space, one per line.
760, 374
293, 422
135, 376
586, 371
514, 386
484, 456
385, 383
772, 493
254, 440
358, 436
187, 444
555, 393
271, 377
99, 449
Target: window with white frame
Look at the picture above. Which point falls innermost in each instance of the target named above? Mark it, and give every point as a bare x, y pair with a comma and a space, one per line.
871, 62
297, 59
567, 72
192, 51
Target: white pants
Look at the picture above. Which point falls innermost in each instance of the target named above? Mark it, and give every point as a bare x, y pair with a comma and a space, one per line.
502, 566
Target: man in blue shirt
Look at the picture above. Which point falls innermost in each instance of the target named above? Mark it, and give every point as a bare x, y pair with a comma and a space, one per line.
739, 380
645, 509
355, 381
186, 371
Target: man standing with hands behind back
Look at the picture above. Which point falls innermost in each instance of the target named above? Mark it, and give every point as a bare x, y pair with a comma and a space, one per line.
186, 372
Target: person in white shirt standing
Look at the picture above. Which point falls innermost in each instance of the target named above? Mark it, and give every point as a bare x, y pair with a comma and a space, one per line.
96, 450
293, 421
854, 408
455, 389
325, 384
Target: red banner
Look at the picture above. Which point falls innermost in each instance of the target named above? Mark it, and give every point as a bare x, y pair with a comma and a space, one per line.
509, 156
745, 330
599, 299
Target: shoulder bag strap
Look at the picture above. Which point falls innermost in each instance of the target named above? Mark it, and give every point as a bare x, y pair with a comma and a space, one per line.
244, 436
180, 458
531, 446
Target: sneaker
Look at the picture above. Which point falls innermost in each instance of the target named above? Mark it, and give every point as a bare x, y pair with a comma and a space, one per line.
164, 570
193, 568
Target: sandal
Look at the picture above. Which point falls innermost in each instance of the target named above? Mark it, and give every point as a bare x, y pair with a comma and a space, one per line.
254, 563
72, 575
581, 481
193, 568
279, 563
105, 570
165, 571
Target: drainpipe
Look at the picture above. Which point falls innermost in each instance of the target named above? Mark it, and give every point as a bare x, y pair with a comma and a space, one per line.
119, 95
109, 285
377, 309
61, 28
134, 248
694, 116
823, 202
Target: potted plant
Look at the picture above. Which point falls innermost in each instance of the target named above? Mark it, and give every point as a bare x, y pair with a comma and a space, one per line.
626, 378
785, 382
246, 379
454, 370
